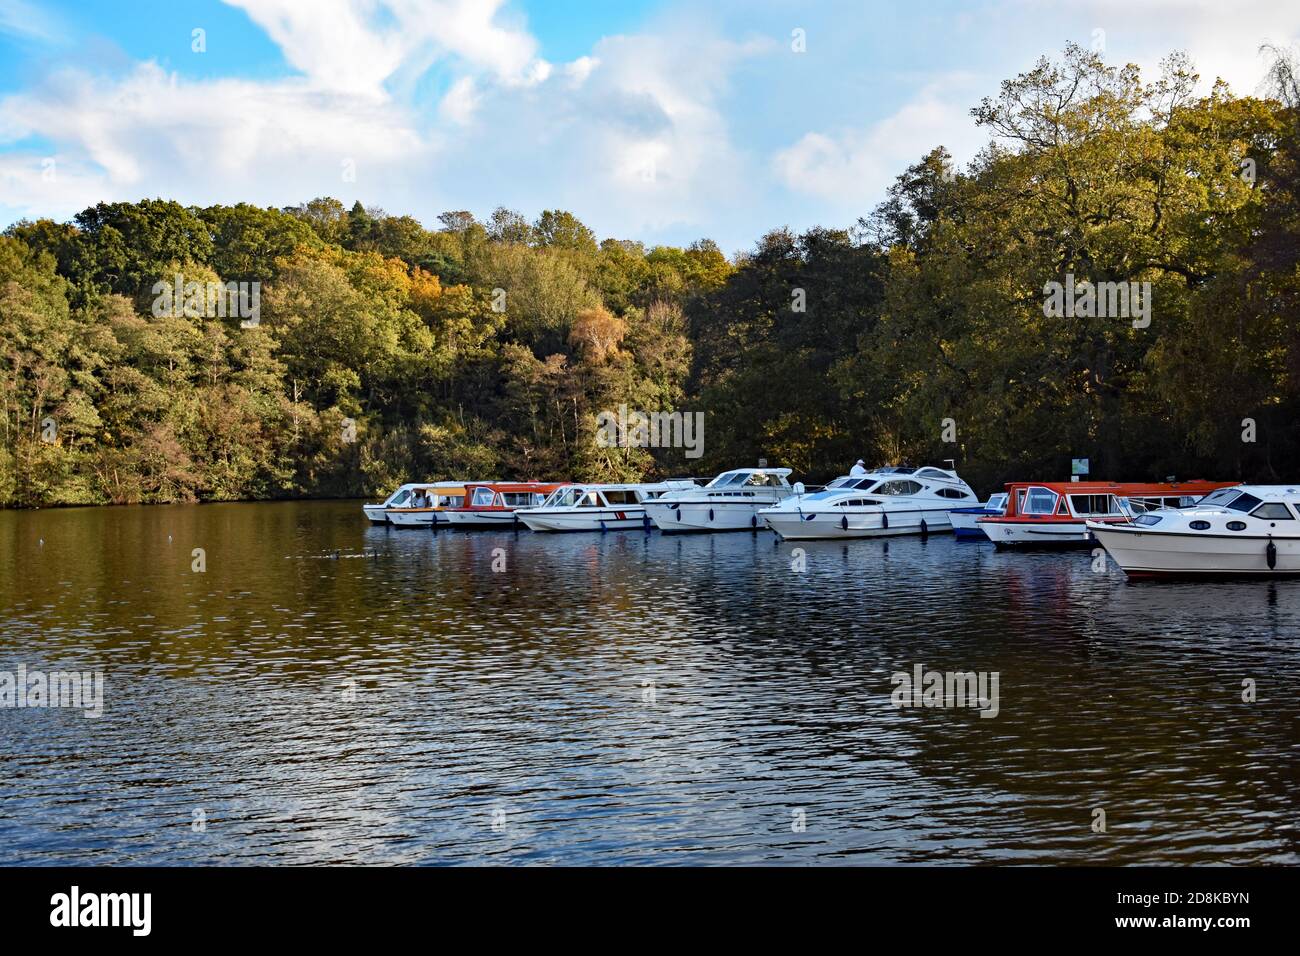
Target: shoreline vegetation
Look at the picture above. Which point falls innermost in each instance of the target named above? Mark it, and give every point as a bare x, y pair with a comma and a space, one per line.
381, 351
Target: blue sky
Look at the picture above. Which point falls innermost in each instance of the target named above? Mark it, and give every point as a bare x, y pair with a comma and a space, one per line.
657, 120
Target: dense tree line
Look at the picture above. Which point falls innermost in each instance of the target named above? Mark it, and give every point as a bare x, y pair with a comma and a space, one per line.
384, 351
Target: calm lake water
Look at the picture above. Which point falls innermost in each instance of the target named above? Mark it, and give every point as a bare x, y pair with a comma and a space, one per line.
625, 698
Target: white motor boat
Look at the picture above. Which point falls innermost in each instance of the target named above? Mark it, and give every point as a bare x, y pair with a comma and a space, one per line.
377, 513
401, 498
730, 502
597, 507
420, 509
1245, 529
965, 520
887, 501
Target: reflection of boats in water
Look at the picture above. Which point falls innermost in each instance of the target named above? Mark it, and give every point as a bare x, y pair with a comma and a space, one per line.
493, 504
964, 520
887, 501
1243, 530
730, 502
1056, 513
597, 507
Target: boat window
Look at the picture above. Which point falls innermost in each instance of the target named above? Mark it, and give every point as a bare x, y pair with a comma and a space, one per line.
1093, 504
997, 503
1040, 501
482, 497
1199, 526
1020, 500
621, 497
865, 484
564, 497
897, 488
1220, 497
1148, 520
1244, 502
519, 499
454, 501
841, 482
930, 473
400, 498
1273, 511
1236, 526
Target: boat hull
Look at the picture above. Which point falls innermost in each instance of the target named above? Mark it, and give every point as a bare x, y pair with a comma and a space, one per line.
412, 519
375, 513
965, 523
695, 517
468, 520
596, 519
1177, 554
1073, 534
830, 525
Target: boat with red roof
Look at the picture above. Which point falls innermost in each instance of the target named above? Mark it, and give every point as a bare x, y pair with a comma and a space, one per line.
1056, 512
492, 504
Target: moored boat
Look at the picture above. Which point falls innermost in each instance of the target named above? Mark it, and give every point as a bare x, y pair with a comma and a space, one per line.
1240, 530
730, 502
597, 507
377, 513
1047, 513
494, 504
421, 508
888, 501
965, 521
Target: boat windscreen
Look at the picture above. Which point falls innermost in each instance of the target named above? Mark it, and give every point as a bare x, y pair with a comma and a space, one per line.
563, 497
1219, 498
1040, 501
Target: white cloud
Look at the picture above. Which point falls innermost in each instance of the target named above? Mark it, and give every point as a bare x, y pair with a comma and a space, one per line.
855, 166
19, 18
152, 134
356, 46
664, 133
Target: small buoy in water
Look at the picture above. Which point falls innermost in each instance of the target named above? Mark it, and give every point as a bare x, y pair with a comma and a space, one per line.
1271, 554
336, 555
169, 539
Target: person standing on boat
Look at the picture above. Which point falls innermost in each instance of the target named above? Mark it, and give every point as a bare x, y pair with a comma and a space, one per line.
859, 470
